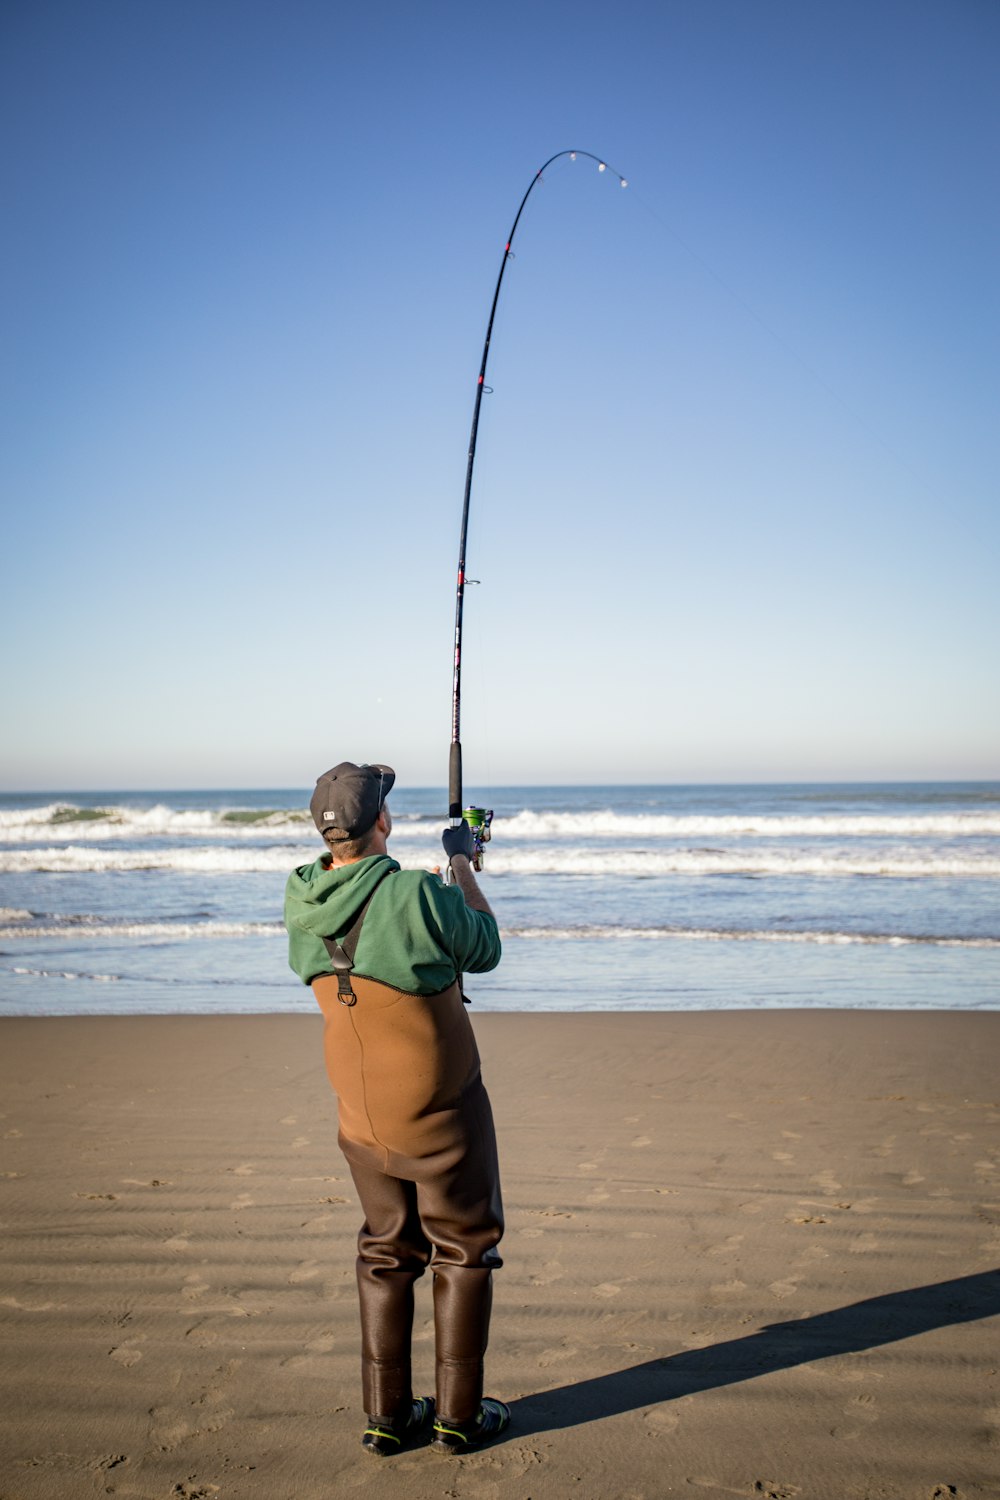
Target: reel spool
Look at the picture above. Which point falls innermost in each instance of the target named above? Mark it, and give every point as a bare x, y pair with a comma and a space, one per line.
479, 820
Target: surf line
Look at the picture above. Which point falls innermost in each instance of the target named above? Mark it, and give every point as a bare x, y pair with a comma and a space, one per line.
480, 818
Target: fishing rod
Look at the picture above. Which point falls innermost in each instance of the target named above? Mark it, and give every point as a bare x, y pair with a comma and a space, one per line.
479, 818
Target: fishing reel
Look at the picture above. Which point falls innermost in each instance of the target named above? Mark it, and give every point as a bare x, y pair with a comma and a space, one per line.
479, 820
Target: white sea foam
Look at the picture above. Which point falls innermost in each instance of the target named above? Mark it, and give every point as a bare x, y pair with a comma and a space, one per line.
64, 822
729, 935
73, 929
609, 824
67, 974
92, 927
67, 821
13, 914
544, 860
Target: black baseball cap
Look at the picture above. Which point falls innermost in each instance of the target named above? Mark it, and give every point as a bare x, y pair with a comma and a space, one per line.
348, 799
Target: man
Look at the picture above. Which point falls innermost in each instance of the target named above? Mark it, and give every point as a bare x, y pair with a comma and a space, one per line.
384, 950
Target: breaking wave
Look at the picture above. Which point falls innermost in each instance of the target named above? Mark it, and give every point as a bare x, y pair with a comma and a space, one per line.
75, 928
67, 822
552, 859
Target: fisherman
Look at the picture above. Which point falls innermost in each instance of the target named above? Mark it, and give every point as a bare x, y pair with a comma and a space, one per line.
384, 950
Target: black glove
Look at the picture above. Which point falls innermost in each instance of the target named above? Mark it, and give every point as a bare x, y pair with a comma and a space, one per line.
459, 841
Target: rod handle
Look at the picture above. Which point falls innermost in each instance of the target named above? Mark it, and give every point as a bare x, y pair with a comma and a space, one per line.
455, 780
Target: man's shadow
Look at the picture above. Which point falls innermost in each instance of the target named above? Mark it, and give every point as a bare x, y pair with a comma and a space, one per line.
778, 1346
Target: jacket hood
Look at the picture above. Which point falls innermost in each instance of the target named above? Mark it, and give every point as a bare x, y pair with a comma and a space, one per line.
326, 901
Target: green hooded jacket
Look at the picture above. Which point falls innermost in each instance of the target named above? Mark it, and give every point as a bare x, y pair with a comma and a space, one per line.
419, 935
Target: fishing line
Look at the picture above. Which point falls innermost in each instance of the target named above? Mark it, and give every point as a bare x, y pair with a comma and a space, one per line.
479, 818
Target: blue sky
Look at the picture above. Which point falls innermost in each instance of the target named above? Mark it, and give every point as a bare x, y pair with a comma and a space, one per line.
735, 509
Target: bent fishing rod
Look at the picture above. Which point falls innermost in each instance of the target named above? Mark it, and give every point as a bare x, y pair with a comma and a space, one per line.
479, 818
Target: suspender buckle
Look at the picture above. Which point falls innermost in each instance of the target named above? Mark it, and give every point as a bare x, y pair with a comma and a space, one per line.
342, 953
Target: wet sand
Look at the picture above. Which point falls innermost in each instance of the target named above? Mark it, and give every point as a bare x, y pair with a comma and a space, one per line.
747, 1254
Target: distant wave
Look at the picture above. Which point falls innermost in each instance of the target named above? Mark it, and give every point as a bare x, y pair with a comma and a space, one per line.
67, 974
61, 820
737, 935
532, 825
66, 822
75, 928
94, 927
547, 860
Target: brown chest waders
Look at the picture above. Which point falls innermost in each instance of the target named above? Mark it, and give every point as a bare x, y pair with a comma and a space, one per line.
417, 1131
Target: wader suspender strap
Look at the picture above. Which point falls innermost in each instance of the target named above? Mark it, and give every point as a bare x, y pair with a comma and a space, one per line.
342, 953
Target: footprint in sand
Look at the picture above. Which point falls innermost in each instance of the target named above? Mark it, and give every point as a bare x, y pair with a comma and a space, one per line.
311, 1351
783, 1289
244, 1170
127, 1354
782, 1156
606, 1289
555, 1356
728, 1247
243, 1201
201, 1336
306, 1271
551, 1271
110, 1461
862, 1405
177, 1243
167, 1428
289, 1120
661, 1420
300, 1141
642, 1140
863, 1243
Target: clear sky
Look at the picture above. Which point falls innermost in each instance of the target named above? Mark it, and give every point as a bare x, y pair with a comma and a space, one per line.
735, 512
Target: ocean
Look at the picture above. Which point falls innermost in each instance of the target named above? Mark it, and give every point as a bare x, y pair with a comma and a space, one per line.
608, 897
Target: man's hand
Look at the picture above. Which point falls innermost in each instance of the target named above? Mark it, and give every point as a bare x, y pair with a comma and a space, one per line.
459, 841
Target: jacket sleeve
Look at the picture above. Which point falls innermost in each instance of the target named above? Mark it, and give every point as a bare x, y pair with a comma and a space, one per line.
471, 938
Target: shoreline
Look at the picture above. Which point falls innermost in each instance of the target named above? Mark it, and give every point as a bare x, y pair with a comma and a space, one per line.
749, 1252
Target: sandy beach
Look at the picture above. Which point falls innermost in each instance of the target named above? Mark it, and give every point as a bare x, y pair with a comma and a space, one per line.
747, 1254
